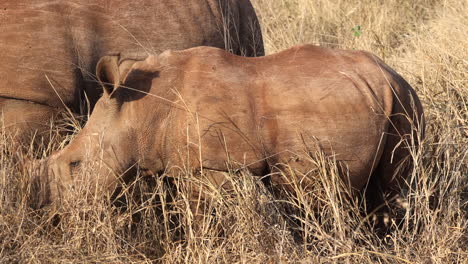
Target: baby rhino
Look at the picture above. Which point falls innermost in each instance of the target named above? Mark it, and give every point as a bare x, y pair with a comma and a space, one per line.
206, 109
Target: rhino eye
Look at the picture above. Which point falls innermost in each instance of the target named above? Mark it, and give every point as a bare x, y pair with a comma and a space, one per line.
74, 164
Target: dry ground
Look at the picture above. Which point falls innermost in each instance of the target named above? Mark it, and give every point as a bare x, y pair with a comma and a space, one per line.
425, 40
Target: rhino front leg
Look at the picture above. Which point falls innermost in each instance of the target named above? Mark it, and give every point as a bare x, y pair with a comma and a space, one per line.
24, 122
200, 192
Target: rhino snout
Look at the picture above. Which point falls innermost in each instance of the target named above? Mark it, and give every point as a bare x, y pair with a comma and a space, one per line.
39, 195
59, 174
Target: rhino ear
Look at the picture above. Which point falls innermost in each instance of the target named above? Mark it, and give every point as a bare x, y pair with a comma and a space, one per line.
124, 68
107, 73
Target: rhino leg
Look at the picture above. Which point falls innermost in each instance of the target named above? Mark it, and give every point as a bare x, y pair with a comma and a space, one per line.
24, 122
201, 191
395, 164
388, 178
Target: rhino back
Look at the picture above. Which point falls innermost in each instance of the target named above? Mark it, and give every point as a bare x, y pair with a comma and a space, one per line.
272, 108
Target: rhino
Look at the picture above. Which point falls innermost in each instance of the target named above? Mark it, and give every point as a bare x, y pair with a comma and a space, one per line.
49, 49
206, 109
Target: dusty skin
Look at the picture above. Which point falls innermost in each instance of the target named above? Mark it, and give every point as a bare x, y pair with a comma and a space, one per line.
422, 40
49, 49
204, 108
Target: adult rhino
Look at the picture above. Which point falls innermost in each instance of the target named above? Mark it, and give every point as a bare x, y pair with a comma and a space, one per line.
204, 108
49, 48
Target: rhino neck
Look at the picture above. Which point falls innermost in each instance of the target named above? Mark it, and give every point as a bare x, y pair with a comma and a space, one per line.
152, 141
156, 114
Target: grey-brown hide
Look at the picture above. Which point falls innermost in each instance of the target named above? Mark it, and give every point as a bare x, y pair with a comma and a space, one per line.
49, 49
206, 108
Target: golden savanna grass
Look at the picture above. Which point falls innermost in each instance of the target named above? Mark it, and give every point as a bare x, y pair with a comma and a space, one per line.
426, 41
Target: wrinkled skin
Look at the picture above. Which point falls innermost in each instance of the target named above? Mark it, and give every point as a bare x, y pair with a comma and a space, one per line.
49, 49
188, 108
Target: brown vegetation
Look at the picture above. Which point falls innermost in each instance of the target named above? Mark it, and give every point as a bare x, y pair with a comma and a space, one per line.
424, 40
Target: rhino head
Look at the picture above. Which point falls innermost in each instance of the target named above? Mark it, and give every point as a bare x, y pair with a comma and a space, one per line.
114, 138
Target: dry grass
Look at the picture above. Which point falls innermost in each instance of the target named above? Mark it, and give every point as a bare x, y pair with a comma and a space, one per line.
425, 40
